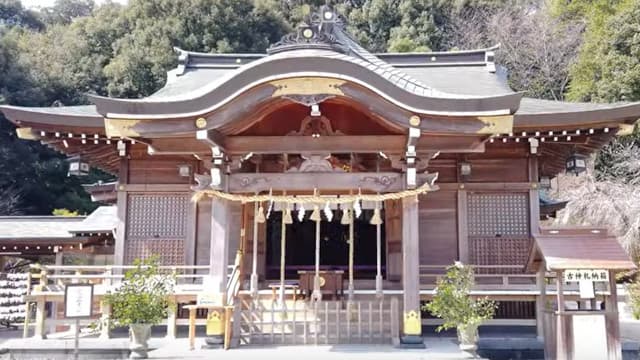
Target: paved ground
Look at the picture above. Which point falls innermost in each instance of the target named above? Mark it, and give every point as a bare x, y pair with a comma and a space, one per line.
437, 349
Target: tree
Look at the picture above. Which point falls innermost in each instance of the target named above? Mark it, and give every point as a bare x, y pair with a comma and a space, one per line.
608, 68
144, 54
12, 13
65, 11
537, 48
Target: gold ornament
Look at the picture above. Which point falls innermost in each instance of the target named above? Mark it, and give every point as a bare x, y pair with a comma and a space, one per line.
201, 123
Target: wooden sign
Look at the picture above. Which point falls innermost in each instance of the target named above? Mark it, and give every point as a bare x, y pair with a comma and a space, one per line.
78, 300
586, 274
209, 299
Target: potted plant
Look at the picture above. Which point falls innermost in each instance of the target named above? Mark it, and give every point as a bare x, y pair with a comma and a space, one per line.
454, 305
140, 301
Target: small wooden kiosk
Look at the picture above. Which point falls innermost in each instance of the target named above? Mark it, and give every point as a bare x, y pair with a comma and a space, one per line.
591, 257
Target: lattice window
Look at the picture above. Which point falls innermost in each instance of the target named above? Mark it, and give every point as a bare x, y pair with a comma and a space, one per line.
171, 252
499, 251
491, 215
157, 216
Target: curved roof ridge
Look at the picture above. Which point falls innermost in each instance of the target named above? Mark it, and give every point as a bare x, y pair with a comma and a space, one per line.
200, 54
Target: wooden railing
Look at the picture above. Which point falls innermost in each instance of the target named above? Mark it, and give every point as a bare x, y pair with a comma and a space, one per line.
48, 283
494, 277
487, 277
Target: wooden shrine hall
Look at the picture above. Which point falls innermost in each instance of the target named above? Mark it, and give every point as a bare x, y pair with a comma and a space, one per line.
323, 164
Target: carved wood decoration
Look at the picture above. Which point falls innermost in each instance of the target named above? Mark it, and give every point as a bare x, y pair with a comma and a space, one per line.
156, 224
315, 163
297, 181
315, 125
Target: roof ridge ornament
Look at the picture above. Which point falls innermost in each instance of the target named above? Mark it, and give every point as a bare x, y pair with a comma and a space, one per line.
315, 32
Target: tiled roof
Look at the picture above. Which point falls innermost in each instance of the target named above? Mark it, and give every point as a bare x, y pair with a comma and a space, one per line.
102, 219
32, 227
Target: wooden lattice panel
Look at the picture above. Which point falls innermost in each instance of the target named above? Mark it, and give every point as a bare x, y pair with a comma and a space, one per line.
157, 216
170, 252
499, 251
491, 214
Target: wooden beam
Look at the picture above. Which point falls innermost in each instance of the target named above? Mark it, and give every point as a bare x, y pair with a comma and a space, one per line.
212, 138
376, 182
348, 144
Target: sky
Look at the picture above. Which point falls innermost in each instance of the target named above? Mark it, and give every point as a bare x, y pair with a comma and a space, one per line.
31, 4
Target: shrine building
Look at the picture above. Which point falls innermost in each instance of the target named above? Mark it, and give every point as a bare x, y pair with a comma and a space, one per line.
339, 175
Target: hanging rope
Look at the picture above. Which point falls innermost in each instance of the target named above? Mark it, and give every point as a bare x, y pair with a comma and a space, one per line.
315, 199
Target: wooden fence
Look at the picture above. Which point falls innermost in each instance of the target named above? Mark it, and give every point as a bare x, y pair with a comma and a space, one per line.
324, 322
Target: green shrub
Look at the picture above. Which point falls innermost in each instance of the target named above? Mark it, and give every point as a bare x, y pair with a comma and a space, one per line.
452, 301
142, 297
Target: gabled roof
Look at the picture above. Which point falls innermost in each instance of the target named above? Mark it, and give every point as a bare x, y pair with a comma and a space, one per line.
320, 47
578, 248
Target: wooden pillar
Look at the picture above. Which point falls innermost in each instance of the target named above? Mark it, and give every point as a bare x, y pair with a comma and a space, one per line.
379, 292
41, 315
254, 258
172, 320
317, 294
121, 202
191, 235
219, 249
561, 339
463, 230
351, 288
412, 324
283, 254
612, 321
105, 308
54, 304
541, 300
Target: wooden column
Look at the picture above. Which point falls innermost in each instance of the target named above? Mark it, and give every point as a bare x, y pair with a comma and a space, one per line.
283, 253
412, 328
316, 295
351, 253
121, 227
561, 331
612, 321
191, 235
219, 249
254, 258
463, 230
379, 292
541, 300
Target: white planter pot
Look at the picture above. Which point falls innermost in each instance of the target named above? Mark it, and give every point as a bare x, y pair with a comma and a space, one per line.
139, 335
468, 338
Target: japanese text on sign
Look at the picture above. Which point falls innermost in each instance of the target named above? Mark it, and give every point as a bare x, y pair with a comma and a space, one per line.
585, 274
78, 300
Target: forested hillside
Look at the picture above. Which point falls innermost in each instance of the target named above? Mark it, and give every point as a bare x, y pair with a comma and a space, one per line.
581, 50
